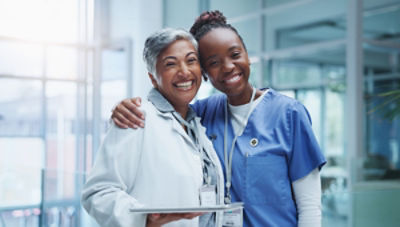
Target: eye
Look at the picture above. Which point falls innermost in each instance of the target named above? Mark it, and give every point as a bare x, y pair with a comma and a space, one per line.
192, 60
212, 63
235, 54
170, 63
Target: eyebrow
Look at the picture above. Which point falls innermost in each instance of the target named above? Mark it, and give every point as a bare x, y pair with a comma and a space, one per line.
229, 50
234, 47
174, 58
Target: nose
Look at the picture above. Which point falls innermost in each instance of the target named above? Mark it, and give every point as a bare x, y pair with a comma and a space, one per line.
228, 66
183, 70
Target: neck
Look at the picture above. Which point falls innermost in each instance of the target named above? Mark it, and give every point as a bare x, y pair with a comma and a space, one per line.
182, 110
242, 98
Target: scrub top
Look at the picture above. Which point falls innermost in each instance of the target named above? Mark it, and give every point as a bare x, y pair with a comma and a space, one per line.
276, 148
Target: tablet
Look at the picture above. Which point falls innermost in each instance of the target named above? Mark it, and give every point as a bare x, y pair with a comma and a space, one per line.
205, 209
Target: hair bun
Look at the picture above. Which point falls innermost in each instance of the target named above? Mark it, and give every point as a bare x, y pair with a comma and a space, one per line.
208, 17
213, 17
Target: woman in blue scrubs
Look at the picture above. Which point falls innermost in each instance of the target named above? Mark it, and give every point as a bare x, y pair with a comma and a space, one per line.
264, 140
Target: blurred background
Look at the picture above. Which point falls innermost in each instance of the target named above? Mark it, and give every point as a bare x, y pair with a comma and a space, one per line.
64, 64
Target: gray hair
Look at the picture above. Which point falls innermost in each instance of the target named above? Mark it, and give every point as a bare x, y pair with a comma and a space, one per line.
160, 40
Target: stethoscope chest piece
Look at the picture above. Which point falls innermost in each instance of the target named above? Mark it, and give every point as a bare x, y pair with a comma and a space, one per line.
254, 142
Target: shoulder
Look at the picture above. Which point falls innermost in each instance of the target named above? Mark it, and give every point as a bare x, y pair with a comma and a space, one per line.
150, 111
286, 102
202, 106
116, 134
283, 99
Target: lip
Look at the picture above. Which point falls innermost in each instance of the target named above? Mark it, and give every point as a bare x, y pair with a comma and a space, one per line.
232, 79
184, 85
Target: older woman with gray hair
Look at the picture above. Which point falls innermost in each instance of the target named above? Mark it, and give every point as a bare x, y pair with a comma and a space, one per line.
166, 164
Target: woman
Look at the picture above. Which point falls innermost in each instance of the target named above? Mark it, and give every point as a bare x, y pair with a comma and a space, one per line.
264, 140
168, 163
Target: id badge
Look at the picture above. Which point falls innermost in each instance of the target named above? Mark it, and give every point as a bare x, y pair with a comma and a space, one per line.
233, 218
208, 195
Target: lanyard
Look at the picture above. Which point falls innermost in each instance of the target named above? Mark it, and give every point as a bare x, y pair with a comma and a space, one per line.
192, 131
228, 162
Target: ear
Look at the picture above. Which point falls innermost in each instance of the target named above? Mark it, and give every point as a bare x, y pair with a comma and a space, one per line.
248, 59
153, 80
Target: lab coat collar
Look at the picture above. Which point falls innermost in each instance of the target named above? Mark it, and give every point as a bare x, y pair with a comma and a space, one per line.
163, 105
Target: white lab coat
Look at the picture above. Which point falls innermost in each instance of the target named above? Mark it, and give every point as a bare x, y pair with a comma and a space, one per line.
155, 166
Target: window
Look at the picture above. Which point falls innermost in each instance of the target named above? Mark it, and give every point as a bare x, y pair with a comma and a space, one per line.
56, 85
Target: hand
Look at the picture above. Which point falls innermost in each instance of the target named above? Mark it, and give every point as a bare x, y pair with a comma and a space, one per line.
127, 114
156, 220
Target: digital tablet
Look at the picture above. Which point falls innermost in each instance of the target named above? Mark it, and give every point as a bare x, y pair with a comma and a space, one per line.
205, 209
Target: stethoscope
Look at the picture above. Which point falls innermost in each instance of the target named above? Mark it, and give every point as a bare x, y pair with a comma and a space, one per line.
228, 162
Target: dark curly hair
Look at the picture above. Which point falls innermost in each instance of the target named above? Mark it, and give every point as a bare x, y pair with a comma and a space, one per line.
208, 21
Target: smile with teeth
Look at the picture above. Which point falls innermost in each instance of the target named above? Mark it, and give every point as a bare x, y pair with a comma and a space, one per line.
233, 79
184, 85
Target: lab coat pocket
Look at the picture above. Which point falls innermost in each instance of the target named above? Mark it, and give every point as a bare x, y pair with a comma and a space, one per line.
265, 179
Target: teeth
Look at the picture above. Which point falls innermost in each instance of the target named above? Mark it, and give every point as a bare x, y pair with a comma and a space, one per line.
233, 79
184, 84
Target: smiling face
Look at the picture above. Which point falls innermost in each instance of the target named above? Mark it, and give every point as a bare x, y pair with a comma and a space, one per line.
227, 64
178, 74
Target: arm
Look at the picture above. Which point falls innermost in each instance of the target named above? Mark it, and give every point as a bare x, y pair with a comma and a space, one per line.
127, 114
105, 195
157, 220
307, 192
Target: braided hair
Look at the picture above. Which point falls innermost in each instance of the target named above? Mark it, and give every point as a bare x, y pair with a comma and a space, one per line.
210, 20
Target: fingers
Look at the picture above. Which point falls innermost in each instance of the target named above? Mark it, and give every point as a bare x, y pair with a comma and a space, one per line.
120, 120
137, 101
133, 105
161, 219
124, 118
119, 123
191, 215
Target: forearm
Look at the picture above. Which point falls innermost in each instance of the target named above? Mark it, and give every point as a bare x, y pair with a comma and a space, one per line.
307, 191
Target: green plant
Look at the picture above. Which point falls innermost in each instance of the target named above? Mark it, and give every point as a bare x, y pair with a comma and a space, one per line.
390, 105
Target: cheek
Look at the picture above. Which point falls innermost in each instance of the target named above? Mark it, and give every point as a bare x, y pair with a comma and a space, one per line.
213, 77
213, 81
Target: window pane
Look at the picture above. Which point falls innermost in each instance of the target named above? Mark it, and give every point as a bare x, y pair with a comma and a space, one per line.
114, 65
255, 75
61, 138
20, 170
382, 160
271, 3
382, 23
334, 131
61, 62
250, 32
333, 175
311, 99
310, 67
39, 20
381, 61
309, 22
112, 92
20, 107
234, 8
288, 93
89, 129
295, 73
13, 54
329, 29
180, 14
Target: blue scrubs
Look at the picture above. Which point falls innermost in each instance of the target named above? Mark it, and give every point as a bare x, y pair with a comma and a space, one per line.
287, 150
